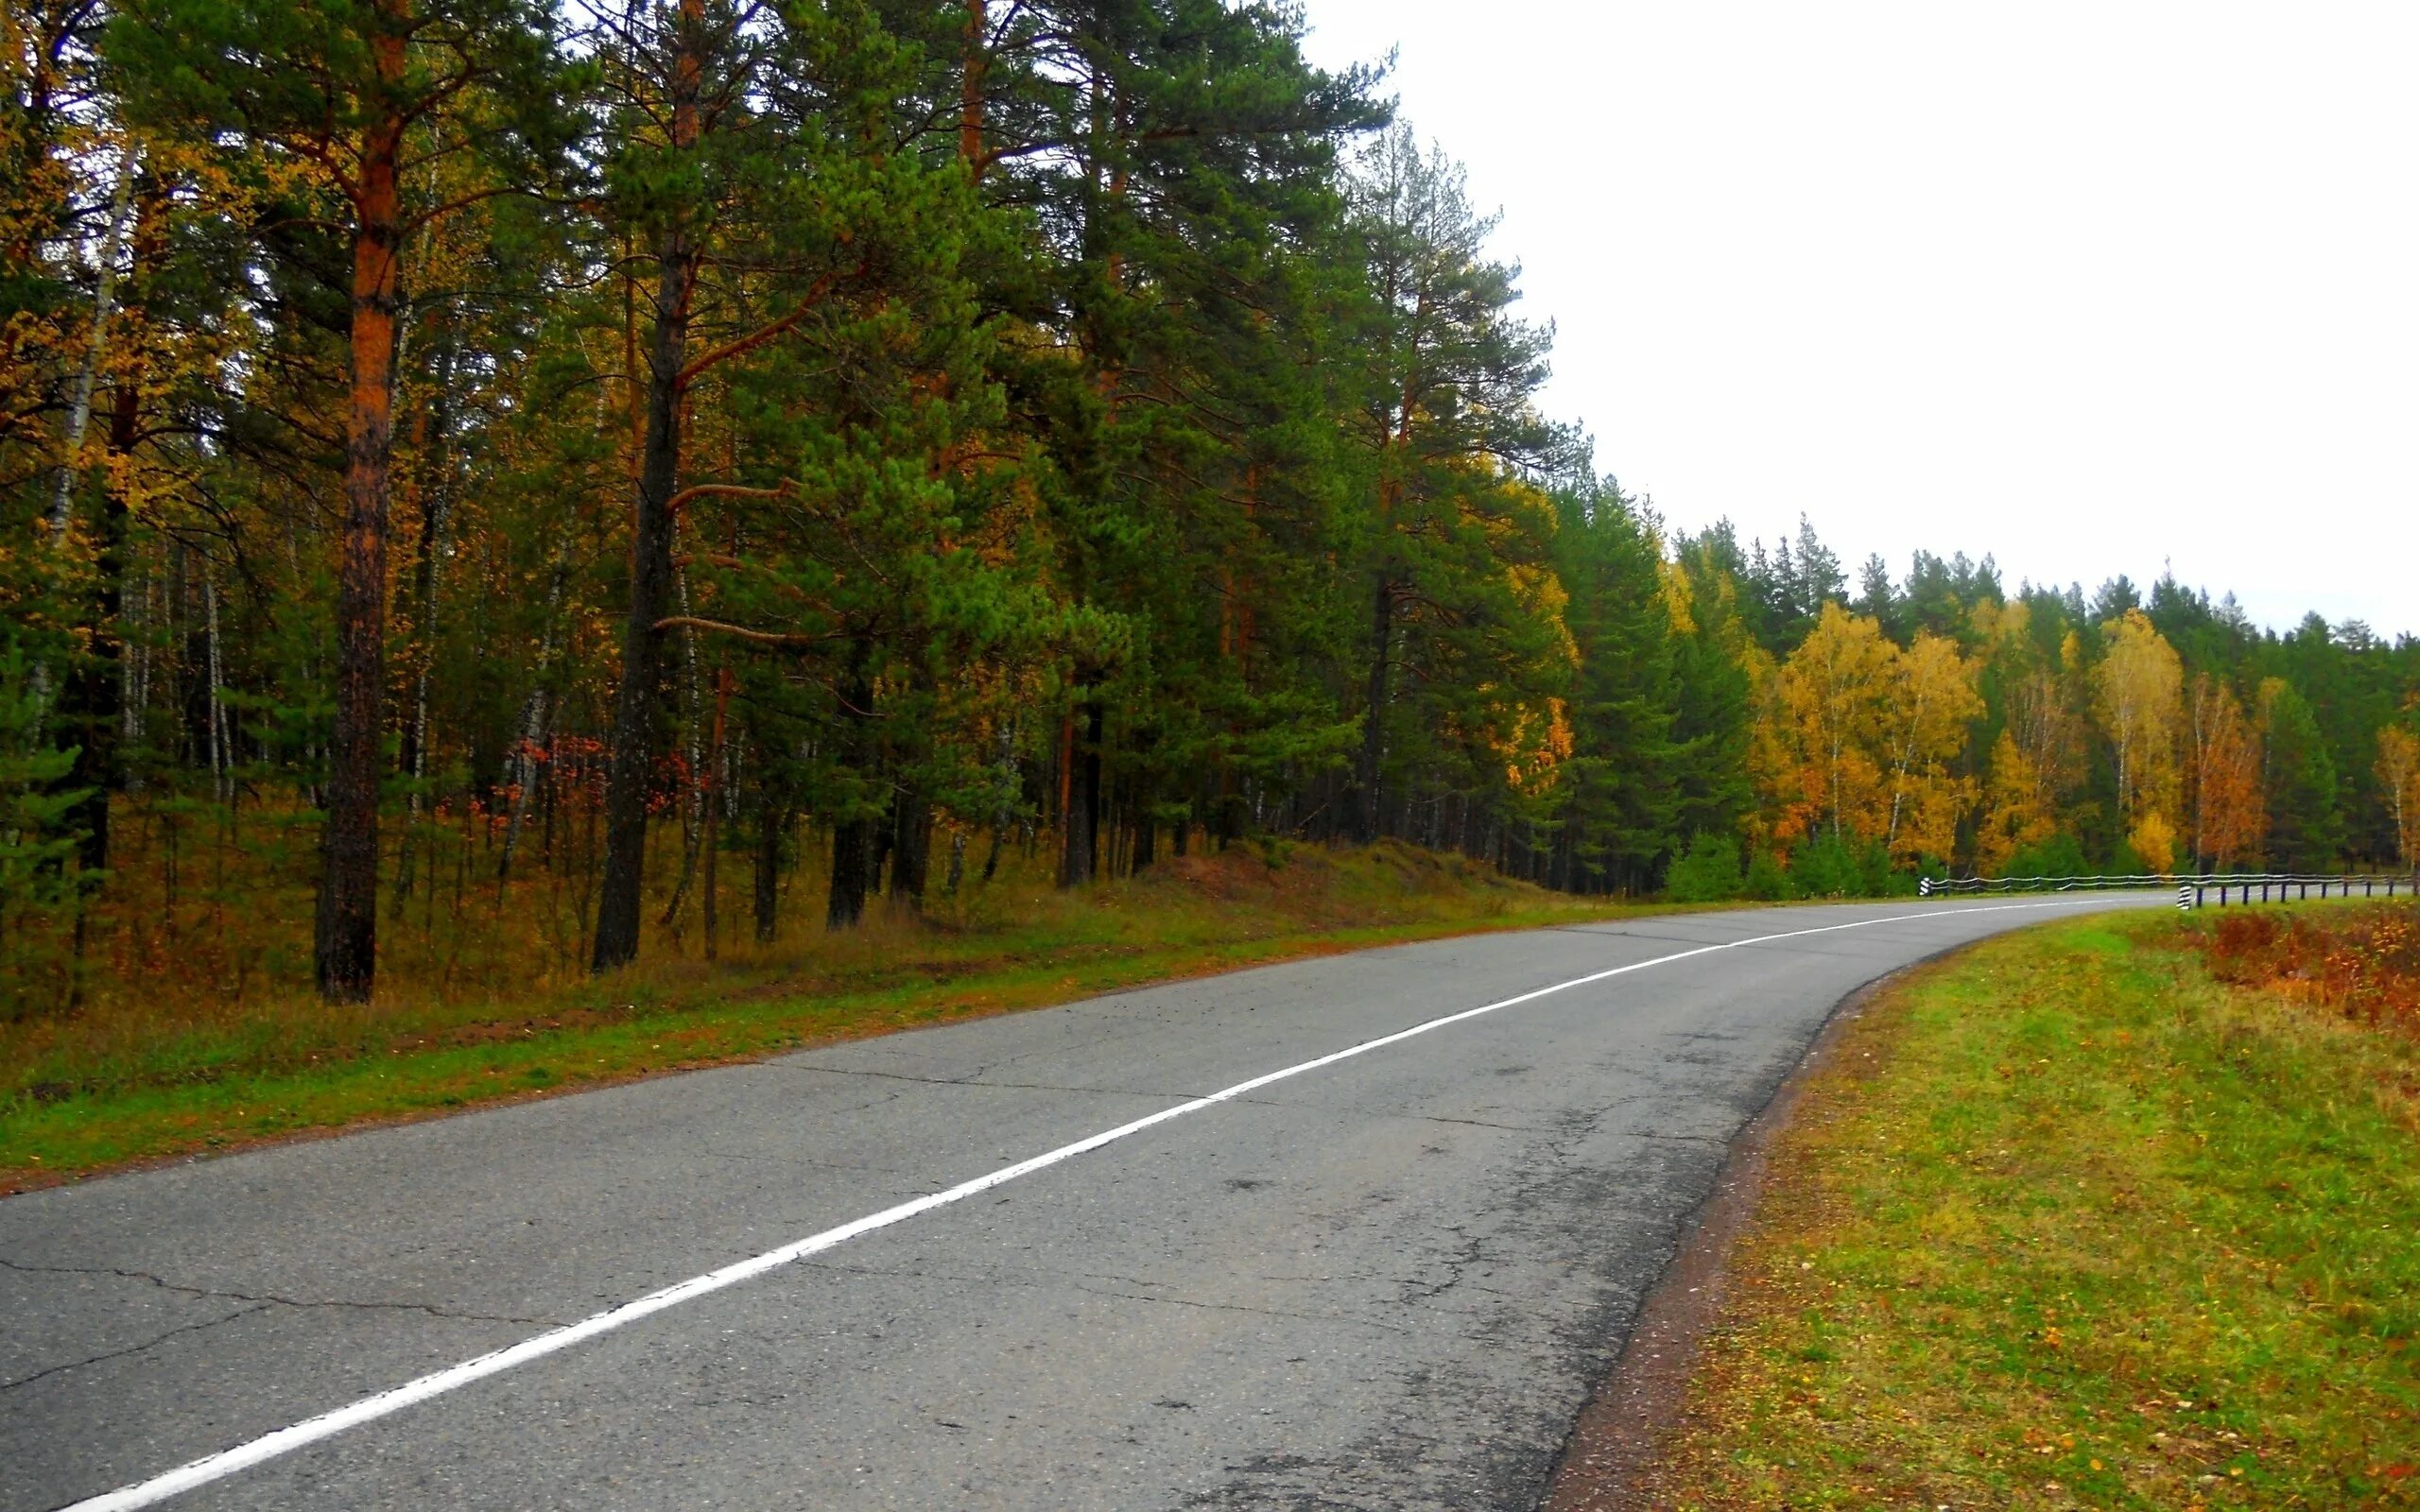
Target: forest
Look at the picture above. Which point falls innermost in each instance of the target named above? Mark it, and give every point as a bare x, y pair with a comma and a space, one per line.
674, 472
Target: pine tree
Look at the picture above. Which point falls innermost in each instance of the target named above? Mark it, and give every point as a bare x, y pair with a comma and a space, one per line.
349, 103
1877, 600
686, 153
1445, 411
1181, 155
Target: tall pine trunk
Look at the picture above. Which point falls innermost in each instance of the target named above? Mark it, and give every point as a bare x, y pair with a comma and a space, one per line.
772, 820
970, 91
637, 703
911, 846
94, 698
1080, 826
345, 938
854, 835
852, 873
1366, 814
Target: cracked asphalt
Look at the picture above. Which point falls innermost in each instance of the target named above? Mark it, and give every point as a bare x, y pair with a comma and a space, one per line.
1388, 1283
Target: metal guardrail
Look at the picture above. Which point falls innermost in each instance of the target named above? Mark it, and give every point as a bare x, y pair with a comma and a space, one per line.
1934, 887
2192, 892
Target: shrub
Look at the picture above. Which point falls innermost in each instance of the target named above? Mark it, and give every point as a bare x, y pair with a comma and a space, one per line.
1708, 873
2059, 856
1828, 866
1765, 880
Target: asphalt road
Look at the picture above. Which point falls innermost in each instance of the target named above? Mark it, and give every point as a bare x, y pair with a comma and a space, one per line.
1389, 1282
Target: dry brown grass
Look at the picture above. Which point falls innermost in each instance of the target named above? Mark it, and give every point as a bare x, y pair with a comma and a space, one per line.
197, 1029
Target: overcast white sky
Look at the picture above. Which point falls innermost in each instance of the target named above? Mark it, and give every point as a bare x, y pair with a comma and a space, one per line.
2087, 286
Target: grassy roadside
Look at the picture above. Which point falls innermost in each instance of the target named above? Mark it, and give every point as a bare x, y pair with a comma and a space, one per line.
134, 1082
2068, 1221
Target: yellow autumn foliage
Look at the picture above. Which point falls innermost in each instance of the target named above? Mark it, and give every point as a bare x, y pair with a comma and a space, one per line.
1855, 738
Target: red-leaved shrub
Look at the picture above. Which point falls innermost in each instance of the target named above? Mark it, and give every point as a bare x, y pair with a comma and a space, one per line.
2362, 962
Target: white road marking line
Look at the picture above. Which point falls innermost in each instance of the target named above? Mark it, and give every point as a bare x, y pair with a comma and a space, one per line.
328, 1424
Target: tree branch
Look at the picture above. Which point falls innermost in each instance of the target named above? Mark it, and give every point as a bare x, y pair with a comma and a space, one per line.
460, 202
760, 637
726, 490
807, 304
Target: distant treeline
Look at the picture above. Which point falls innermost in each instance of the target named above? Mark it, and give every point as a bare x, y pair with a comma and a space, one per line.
593, 442
1943, 722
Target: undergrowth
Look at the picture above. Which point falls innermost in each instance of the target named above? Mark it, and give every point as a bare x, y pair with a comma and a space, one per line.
2360, 962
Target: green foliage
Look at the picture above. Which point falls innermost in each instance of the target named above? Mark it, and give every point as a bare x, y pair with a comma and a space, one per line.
34, 848
40, 882
2306, 825
2059, 856
1828, 866
1708, 873
1767, 881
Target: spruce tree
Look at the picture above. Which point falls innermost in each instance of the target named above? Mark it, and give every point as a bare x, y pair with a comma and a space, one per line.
2305, 823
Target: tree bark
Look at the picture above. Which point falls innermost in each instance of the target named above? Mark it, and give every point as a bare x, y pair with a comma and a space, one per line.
637, 703
852, 867
970, 93
854, 835
772, 819
345, 938
95, 695
1367, 794
911, 846
1080, 826
79, 408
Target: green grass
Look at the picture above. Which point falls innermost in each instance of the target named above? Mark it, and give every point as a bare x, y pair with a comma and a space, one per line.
2064, 1222
144, 1078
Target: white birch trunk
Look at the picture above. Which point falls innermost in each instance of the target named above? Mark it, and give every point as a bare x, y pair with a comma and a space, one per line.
79, 409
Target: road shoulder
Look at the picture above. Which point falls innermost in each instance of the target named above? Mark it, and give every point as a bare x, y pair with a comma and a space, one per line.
2117, 1212
1616, 1446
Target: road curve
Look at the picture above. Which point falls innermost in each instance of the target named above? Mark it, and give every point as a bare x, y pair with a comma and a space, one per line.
1386, 1279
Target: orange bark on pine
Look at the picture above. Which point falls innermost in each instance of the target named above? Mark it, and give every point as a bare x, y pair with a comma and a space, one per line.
346, 932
